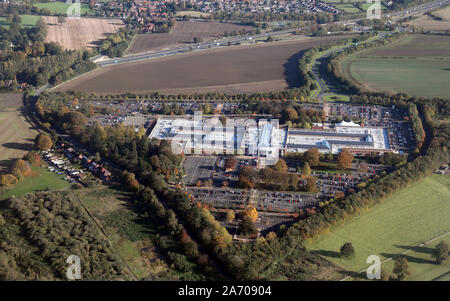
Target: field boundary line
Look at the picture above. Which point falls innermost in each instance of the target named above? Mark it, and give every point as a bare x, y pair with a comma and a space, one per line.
404, 252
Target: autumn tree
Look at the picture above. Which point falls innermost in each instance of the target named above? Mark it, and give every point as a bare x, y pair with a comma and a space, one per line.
306, 169
8, 180
230, 215
43, 142
401, 269
280, 165
22, 166
312, 156
345, 159
311, 184
440, 253
130, 181
250, 212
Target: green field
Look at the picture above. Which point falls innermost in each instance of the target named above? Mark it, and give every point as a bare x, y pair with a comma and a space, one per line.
417, 65
27, 21
402, 221
41, 179
61, 7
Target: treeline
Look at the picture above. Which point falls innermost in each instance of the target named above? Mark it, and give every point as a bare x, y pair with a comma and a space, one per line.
116, 44
307, 80
37, 71
416, 124
333, 67
59, 227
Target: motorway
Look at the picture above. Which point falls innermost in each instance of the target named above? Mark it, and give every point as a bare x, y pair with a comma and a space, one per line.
191, 48
419, 9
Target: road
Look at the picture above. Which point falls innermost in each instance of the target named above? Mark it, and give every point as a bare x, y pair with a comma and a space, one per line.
320, 74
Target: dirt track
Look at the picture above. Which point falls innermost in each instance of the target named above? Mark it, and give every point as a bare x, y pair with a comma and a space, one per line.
257, 68
80, 33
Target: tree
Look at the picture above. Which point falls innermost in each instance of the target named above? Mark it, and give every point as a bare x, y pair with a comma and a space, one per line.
440, 253
248, 227
197, 40
347, 250
22, 166
280, 165
345, 159
312, 156
250, 212
8, 180
401, 269
61, 19
230, 215
311, 184
43, 142
306, 169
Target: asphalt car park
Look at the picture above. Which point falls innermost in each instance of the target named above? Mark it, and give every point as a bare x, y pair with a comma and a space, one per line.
198, 168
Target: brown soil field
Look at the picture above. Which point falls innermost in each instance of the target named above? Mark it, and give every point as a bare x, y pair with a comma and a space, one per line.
257, 68
16, 134
80, 33
182, 33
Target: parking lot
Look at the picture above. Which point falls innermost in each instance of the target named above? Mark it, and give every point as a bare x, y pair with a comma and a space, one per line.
198, 168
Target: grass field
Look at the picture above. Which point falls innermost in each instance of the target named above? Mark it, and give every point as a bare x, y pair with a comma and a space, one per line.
42, 179
27, 21
404, 220
417, 65
61, 7
16, 134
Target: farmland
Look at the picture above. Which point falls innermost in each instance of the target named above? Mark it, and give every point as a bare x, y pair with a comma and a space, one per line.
402, 221
61, 7
425, 22
80, 33
16, 134
417, 65
261, 67
182, 33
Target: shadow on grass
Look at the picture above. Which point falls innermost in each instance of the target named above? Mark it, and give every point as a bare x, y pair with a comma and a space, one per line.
327, 253
355, 275
418, 249
408, 257
19, 146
